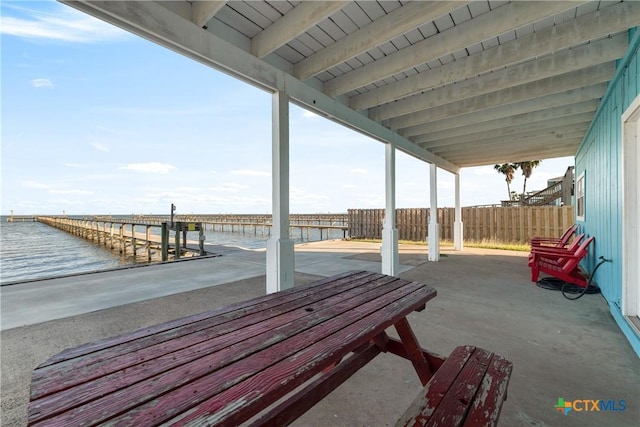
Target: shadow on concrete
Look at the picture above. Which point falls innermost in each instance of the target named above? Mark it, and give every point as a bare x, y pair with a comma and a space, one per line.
560, 348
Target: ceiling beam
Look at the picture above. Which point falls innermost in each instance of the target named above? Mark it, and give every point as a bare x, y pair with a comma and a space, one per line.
483, 27
202, 11
507, 142
568, 148
510, 131
394, 24
611, 20
535, 89
302, 17
525, 119
534, 147
550, 101
517, 148
602, 52
156, 23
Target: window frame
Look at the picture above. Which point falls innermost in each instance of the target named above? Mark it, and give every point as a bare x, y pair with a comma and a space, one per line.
580, 196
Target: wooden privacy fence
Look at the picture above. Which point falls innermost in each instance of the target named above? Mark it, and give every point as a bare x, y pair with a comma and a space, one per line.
492, 223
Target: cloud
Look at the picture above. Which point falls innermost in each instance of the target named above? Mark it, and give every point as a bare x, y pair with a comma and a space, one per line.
299, 195
359, 171
309, 114
72, 192
248, 172
152, 167
100, 147
41, 83
229, 187
34, 184
61, 24
75, 165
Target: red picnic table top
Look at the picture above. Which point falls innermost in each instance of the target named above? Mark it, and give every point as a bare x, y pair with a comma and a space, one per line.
265, 361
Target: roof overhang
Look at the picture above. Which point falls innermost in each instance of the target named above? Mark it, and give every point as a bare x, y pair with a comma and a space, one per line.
453, 83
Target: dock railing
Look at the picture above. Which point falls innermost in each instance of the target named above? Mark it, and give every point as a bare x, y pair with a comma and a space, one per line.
126, 236
260, 224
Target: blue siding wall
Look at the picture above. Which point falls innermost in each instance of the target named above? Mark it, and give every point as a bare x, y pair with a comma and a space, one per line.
599, 157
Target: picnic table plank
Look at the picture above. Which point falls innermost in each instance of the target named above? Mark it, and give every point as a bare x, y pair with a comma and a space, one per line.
54, 378
486, 407
290, 409
234, 346
467, 390
263, 303
256, 392
229, 365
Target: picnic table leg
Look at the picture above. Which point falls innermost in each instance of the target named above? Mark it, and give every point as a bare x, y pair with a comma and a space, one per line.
414, 351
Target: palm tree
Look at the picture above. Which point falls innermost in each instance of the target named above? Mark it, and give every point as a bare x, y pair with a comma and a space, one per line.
527, 170
508, 170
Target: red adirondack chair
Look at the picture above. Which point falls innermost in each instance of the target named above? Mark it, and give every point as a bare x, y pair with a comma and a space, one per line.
563, 264
553, 253
554, 241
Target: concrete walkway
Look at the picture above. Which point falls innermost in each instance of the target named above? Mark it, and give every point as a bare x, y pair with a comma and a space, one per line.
43, 300
559, 348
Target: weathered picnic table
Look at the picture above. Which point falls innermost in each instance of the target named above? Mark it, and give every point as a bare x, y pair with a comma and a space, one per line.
265, 361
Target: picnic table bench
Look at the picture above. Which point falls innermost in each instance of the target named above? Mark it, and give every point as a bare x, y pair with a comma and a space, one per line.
265, 361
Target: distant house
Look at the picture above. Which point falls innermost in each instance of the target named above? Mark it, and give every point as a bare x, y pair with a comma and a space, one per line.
607, 196
566, 183
559, 192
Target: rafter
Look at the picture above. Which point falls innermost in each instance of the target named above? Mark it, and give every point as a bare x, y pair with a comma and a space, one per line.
547, 141
203, 10
592, 26
603, 52
535, 91
551, 134
483, 27
512, 95
550, 101
509, 132
567, 148
291, 25
397, 22
588, 107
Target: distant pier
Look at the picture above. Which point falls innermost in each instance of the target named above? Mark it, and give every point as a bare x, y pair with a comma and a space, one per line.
128, 237
260, 224
21, 218
135, 236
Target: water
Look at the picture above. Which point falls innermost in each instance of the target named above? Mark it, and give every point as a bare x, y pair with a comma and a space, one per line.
31, 250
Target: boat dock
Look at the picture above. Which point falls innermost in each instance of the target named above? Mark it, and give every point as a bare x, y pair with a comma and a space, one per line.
127, 238
262, 224
163, 238
21, 218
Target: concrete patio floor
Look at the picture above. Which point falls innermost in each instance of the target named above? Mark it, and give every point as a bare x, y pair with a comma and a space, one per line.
559, 348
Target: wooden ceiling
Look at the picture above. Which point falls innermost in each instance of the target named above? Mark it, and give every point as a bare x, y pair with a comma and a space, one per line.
455, 83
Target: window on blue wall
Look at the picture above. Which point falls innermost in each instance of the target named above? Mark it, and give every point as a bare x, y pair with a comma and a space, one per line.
580, 197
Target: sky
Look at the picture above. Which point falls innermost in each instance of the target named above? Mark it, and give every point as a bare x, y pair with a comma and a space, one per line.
96, 120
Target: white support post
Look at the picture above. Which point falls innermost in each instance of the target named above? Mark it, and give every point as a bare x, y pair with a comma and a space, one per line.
390, 259
433, 239
458, 231
280, 252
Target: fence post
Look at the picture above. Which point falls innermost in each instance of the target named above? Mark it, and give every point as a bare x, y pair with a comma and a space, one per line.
177, 239
164, 241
